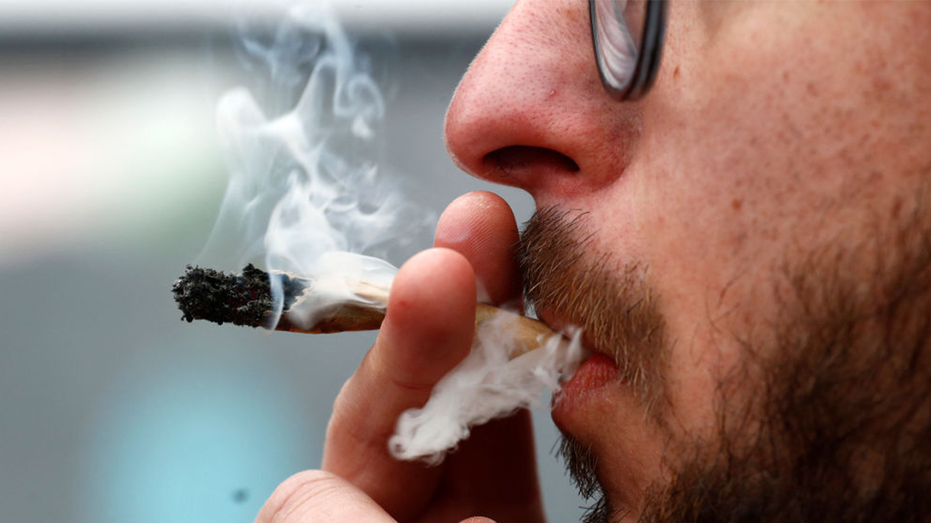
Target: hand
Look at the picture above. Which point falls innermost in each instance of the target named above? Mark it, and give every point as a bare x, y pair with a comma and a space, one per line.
427, 331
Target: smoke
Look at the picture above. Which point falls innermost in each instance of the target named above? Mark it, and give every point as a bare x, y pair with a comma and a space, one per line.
487, 384
305, 193
306, 196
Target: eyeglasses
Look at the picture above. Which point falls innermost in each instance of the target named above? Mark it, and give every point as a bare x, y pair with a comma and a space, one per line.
628, 39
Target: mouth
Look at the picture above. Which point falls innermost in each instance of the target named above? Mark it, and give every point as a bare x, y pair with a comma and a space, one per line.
591, 381
598, 409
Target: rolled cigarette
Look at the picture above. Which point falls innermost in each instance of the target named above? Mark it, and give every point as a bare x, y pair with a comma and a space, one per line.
246, 299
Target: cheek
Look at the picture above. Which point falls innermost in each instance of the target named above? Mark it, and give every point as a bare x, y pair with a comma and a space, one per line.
723, 181
758, 149
748, 156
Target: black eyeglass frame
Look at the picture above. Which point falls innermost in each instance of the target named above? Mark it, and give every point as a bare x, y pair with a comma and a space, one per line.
648, 55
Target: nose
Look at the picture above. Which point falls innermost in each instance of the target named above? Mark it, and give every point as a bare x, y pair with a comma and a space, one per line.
531, 111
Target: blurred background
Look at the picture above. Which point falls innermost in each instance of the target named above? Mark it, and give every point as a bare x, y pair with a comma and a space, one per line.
111, 409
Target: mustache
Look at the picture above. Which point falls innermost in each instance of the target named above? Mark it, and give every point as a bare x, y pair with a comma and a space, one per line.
613, 302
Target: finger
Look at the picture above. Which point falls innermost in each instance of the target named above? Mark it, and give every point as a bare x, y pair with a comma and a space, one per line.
315, 496
481, 226
427, 331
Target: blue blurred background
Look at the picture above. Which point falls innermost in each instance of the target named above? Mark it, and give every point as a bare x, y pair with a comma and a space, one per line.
112, 410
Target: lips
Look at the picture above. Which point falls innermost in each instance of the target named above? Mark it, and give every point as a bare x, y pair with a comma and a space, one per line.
601, 414
589, 381
592, 378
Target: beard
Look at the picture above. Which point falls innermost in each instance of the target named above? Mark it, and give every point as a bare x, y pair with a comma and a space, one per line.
832, 422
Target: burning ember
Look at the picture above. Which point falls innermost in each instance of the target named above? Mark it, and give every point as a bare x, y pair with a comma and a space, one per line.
246, 299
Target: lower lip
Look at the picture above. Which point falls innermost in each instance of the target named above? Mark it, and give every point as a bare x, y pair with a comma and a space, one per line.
592, 376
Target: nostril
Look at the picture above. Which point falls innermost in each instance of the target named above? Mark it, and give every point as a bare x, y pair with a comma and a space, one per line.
516, 158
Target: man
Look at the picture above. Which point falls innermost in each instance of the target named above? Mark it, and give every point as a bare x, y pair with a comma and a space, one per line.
746, 242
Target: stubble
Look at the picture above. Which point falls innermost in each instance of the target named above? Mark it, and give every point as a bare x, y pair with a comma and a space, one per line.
830, 423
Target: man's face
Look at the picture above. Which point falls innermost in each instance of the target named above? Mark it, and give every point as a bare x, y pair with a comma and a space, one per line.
747, 245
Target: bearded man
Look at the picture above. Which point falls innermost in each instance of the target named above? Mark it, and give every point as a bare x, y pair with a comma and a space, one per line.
733, 202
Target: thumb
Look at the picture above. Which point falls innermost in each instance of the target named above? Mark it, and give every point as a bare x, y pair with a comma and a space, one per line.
316, 496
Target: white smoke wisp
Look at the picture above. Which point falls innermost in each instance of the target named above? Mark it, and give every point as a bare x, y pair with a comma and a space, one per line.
487, 384
305, 195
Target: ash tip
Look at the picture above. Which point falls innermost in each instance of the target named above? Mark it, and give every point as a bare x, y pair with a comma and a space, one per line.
207, 294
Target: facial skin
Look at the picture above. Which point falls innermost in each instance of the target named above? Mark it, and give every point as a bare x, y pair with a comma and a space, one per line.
749, 243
